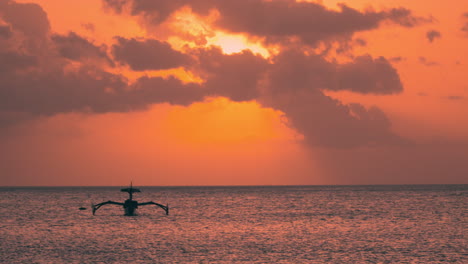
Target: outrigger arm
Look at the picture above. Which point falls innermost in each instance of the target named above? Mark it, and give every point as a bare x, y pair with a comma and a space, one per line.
97, 206
130, 205
164, 207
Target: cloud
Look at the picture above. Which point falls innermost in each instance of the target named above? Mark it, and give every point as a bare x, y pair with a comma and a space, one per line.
368, 75
38, 76
310, 22
5, 32
27, 19
89, 26
292, 70
90, 90
396, 59
77, 48
426, 62
148, 54
362, 75
41, 81
276, 21
236, 76
296, 86
455, 97
361, 42
432, 35
152, 90
464, 28
55, 75
326, 122
12, 61
157, 11
405, 17
56, 91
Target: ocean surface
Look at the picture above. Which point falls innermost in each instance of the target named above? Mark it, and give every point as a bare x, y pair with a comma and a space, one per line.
290, 224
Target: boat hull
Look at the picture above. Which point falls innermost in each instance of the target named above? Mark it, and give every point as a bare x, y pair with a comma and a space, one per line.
130, 207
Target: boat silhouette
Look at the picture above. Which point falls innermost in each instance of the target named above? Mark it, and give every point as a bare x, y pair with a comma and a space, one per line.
130, 205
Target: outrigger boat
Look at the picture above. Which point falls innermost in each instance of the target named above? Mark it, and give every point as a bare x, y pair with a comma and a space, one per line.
130, 205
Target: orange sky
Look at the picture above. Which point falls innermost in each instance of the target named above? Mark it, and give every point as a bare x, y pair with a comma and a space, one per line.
226, 136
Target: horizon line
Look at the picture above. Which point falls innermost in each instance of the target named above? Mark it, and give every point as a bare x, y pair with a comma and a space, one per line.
240, 185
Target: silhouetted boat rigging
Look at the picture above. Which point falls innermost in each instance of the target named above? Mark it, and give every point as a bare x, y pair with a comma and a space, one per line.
130, 205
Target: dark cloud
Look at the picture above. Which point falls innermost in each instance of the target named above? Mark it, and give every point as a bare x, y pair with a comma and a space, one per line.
55, 91
368, 75
236, 76
148, 54
296, 86
36, 80
39, 76
77, 48
396, 59
455, 97
39, 83
432, 35
29, 28
90, 90
9, 119
427, 62
89, 26
293, 71
12, 61
28, 18
363, 75
5, 32
326, 122
157, 11
405, 17
29, 36
310, 22
361, 42
116, 5
158, 90
276, 21
464, 28
346, 47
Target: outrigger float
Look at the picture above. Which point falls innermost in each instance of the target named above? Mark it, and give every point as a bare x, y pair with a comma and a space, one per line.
130, 205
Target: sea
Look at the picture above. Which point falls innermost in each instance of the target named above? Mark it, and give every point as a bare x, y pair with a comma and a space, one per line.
238, 224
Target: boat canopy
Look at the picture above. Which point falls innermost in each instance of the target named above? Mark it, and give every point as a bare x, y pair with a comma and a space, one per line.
130, 190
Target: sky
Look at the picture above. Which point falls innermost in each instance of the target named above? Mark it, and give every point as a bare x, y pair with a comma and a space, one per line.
247, 92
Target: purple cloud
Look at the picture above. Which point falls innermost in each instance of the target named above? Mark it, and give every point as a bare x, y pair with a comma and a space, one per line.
432, 35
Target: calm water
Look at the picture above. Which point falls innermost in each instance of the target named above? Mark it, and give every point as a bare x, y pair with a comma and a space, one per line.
316, 224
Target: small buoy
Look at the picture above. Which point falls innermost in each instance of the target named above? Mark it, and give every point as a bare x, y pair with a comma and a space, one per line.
82, 208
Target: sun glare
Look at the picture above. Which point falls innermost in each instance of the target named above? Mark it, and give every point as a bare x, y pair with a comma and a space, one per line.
196, 31
230, 43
